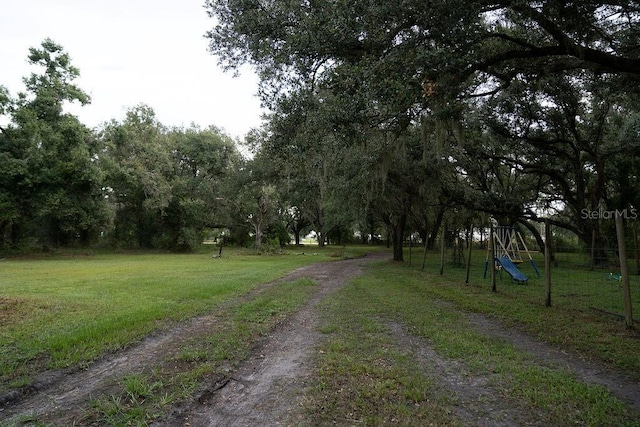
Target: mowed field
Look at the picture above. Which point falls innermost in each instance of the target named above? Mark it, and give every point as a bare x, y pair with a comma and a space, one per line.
67, 310
390, 336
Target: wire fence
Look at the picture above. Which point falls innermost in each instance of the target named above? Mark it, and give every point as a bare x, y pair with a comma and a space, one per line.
578, 282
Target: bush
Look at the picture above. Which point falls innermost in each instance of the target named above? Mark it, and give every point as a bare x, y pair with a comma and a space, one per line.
238, 236
277, 234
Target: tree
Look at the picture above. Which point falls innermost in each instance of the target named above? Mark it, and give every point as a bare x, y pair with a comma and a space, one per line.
555, 36
318, 166
532, 67
13, 200
624, 167
439, 44
202, 161
252, 200
136, 156
563, 132
52, 190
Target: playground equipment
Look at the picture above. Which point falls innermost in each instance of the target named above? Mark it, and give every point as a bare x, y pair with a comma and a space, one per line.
508, 246
614, 276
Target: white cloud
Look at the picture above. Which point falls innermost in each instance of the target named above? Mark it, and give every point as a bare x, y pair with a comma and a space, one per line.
130, 52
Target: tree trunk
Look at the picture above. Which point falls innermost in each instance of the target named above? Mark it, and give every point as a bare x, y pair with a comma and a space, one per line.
364, 238
373, 239
296, 226
257, 227
398, 237
597, 243
424, 234
435, 227
386, 218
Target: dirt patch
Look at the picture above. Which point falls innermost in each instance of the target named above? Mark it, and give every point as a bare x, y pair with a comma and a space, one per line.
57, 396
268, 387
477, 401
14, 310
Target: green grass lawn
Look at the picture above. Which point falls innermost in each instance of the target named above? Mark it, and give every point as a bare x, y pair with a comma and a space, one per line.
574, 285
366, 377
67, 310
575, 319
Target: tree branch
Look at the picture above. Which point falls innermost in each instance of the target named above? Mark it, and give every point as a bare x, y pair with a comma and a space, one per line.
567, 46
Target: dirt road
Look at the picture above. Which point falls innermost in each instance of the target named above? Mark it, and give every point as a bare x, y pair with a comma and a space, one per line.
267, 388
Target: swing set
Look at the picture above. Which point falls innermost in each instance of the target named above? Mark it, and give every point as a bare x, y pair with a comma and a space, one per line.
509, 245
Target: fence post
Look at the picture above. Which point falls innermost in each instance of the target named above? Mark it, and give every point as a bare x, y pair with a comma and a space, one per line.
492, 263
547, 262
635, 247
470, 242
442, 238
593, 249
424, 255
624, 271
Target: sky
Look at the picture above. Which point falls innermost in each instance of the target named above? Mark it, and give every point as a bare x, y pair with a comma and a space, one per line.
130, 52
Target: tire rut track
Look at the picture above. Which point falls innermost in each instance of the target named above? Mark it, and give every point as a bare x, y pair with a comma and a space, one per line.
267, 389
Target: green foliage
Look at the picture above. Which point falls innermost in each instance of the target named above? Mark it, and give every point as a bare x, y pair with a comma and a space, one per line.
165, 184
203, 159
5, 100
384, 116
53, 187
130, 408
133, 183
252, 201
278, 235
518, 104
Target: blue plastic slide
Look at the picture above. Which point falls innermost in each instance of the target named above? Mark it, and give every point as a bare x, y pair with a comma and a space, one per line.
512, 270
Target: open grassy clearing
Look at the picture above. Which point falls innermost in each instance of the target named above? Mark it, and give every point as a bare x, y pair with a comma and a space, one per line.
367, 376
66, 311
373, 368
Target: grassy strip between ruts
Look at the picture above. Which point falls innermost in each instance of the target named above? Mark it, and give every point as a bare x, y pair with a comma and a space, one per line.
366, 376
146, 396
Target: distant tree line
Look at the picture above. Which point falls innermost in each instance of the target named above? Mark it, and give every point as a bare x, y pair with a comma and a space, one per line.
127, 184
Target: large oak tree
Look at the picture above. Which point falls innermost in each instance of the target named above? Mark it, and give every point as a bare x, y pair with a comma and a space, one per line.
390, 63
